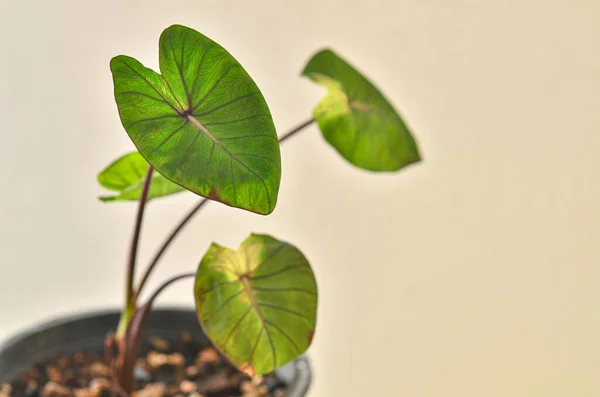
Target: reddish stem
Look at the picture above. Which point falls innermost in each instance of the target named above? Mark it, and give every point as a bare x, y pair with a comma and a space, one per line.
136, 238
129, 348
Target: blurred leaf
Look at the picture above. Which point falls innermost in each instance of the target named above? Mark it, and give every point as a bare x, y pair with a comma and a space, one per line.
356, 119
258, 304
203, 123
126, 176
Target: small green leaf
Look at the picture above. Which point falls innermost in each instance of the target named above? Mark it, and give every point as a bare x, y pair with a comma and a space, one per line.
203, 123
258, 304
356, 119
126, 176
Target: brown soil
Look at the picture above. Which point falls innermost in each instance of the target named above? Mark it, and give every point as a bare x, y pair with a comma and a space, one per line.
181, 368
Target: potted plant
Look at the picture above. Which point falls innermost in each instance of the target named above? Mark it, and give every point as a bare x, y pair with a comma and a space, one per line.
203, 126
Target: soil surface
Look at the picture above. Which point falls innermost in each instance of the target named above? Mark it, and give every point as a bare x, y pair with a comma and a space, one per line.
181, 368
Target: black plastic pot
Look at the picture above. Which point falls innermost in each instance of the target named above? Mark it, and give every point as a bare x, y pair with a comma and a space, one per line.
87, 332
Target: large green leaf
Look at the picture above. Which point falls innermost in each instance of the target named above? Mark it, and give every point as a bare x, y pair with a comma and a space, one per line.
258, 304
126, 176
203, 122
356, 119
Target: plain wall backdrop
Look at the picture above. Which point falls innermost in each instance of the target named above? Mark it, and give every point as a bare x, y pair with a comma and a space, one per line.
474, 273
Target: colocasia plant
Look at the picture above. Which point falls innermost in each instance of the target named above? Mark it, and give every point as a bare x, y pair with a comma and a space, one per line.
202, 125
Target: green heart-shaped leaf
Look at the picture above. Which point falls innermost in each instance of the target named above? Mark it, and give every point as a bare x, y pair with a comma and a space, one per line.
258, 304
356, 119
203, 123
126, 176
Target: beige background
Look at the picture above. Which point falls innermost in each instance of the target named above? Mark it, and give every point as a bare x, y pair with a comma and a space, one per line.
475, 273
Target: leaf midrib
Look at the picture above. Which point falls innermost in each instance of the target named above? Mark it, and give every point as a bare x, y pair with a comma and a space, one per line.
369, 108
247, 284
231, 155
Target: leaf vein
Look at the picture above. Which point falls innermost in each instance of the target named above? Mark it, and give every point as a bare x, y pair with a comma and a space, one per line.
210, 47
243, 137
247, 287
151, 86
285, 309
261, 156
171, 135
285, 334
262, 330
237, 121
142, 94
203, 130
291, 289
180, 69
163, 117
236, 327
210, 157
222, 305
278, 272
207, 112
268, 258
215, 286
232, 177
205, 97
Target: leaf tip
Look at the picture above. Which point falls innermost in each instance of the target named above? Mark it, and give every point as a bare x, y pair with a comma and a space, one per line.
269, 211
416, 158
323, 52
115, 59
215, 246
176, 26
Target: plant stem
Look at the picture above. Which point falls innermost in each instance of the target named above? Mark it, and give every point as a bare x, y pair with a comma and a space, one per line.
194, 210
130, 297
167, 283
123, 367
294, 131
168, 241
